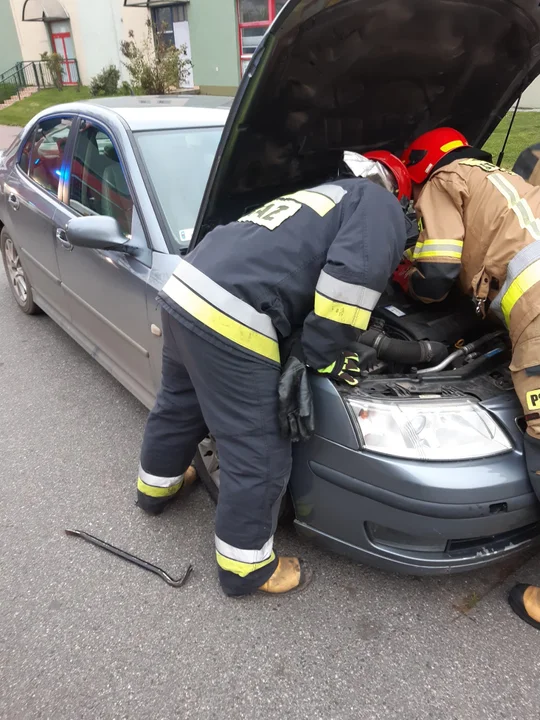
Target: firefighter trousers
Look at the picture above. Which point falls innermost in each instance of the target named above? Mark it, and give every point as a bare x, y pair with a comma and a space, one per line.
525, 369
209, 386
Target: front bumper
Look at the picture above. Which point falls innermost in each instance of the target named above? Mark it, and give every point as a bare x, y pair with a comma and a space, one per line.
409, 516
344, 514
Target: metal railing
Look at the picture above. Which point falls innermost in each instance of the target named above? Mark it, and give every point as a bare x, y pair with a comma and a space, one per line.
36, 73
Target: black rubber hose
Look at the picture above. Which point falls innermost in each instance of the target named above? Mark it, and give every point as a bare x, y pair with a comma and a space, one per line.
405, 352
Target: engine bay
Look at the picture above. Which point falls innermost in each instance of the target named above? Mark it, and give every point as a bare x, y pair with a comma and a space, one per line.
475, 352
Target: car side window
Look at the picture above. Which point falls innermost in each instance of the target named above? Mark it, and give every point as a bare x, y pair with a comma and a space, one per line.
98, 184
49, 142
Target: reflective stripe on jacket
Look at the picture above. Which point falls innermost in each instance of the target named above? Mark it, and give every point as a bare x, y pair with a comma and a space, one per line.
317, 258
481, 223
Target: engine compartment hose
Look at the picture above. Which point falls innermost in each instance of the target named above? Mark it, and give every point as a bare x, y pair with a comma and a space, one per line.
405, 352
464, 350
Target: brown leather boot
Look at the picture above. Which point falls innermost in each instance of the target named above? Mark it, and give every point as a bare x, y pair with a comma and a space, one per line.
190, 476
525, 602
291, 575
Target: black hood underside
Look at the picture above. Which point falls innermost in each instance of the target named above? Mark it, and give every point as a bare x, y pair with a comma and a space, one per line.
332, 75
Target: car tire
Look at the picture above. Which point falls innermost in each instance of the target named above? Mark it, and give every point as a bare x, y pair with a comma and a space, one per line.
18, 281
207, 465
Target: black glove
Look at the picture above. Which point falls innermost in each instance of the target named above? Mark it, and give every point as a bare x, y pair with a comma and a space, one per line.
295, 413
345, 369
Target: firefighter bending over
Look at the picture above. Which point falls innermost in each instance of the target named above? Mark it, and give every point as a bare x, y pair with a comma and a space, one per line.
315, 260
480, 225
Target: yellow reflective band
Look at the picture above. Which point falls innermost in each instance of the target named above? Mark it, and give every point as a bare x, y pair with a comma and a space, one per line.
438, 254
341, 313
452, 145
240, 568
533, 399
518, 205
157, 492
524, 281
409, 253
320, 203
456, 243
328, 369
223, 324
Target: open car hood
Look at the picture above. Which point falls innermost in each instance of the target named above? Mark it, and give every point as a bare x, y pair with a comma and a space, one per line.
335, 75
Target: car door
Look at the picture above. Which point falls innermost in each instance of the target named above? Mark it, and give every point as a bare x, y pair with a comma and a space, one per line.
106, 290
32, 199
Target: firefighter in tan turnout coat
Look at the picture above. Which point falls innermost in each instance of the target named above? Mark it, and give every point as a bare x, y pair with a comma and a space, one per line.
480, 226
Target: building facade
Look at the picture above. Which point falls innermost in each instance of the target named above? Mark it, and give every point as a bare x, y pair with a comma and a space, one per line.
10, 50
220, 35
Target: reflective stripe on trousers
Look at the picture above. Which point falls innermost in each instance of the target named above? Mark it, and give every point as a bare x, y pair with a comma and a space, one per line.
243, 562
158, 486
344, 302
221, 311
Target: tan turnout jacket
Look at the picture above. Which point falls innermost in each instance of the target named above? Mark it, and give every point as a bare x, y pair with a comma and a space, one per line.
479, 224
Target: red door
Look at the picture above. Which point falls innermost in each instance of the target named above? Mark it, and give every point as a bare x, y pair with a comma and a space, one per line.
63, 45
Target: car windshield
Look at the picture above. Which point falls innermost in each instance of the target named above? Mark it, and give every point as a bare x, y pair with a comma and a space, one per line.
178, 164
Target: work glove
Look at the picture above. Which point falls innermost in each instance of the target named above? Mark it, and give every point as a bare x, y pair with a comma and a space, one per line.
295, 402
402, 274
345, 369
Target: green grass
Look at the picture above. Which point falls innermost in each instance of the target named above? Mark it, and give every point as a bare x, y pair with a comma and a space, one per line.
23, 111
525, 132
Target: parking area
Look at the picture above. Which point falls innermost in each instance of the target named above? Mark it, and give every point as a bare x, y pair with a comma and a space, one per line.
85, 635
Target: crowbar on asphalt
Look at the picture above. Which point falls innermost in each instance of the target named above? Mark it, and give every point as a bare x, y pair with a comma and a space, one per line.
133, 558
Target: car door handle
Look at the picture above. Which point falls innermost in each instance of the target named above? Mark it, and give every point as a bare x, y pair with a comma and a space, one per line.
62, 239
13, 200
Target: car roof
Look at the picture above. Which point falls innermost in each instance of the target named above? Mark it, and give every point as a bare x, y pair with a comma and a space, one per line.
155, 112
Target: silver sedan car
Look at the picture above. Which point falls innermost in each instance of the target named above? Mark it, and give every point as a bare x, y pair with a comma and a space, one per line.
420, 468
140, 163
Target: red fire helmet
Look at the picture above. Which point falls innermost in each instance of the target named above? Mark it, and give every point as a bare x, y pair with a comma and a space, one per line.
425, 152
398, 170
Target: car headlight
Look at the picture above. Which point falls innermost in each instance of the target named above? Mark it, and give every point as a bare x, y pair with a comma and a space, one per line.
429, 429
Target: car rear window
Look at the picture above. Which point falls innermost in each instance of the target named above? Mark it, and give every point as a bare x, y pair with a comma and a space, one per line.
178, 164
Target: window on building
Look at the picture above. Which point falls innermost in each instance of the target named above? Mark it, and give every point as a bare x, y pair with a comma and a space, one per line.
163, 19
98, 185
48, 148
254, 17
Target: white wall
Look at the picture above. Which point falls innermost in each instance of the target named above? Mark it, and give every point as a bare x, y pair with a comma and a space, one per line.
33, 37
97, 28
531, 96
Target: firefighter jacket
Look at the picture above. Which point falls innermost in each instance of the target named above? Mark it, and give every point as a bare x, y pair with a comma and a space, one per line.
479, 224
317, 258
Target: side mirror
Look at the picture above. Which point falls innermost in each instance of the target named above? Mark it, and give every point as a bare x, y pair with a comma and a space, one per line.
99, 232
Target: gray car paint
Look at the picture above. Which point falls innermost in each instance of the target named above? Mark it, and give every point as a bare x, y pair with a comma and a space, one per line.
107, 301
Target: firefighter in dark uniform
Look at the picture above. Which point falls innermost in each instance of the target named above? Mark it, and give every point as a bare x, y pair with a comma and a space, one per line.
480, 226
316, 259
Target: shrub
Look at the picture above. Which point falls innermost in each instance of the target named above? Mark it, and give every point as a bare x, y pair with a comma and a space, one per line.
55, 65
105, 84
7, 90
154, 66
125, 89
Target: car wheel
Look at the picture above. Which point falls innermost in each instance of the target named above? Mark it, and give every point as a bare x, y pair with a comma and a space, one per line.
18, 281
207, 464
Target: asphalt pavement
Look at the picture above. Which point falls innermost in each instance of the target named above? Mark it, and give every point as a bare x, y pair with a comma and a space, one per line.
85, 636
